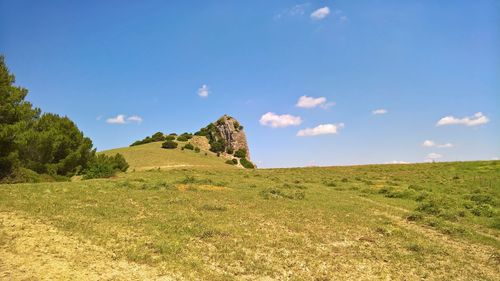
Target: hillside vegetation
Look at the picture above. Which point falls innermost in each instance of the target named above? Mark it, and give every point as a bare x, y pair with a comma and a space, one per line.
436, 221
152, 156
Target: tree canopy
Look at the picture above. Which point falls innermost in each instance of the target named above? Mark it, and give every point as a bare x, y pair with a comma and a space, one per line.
43, 143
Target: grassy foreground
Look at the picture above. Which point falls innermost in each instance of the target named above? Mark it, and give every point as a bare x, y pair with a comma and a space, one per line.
421, 221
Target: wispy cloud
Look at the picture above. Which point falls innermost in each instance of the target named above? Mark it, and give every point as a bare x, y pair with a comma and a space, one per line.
323, 129
430, 143
310, 102
297, 10
476, 120
119, 119
279, 121
135, 118
379, 111
122, 119
203, 91
397, 162
320, 13
433, 156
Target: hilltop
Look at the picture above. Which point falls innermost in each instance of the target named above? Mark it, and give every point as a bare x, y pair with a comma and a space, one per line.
221, 144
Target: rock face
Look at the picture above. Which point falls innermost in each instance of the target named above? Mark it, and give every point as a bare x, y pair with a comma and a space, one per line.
232, 134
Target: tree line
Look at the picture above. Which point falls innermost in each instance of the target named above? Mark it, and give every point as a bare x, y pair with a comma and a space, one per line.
36, 146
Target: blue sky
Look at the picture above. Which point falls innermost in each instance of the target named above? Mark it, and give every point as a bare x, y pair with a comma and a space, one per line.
416, 62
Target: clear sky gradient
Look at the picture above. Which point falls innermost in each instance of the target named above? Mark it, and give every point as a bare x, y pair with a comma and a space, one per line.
174, 66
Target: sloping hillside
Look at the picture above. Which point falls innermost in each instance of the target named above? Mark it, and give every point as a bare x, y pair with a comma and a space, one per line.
152, 156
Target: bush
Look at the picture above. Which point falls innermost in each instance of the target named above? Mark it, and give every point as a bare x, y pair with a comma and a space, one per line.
158, 136
235, 161
103, 166
169, 145
170, 138
230, 162
189, 146
182, 138
119, 163
187, 136
197, 149
229, 150
276, 193
241, 153
246, 164
217, 146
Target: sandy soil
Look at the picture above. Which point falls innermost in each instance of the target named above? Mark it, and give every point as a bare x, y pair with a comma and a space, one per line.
31, 250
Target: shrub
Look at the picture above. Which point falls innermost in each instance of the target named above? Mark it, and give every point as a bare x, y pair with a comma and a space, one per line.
229, 150
241, 153
189, 146
119, 162
230, 162
235, 161
182, 138
197, 149
217, 146
170, 138
103, 166
187, 136
158, 136
169, 145
246, 164
275, 193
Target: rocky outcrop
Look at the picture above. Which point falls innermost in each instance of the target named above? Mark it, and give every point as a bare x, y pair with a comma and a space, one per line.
231, 132
226, 136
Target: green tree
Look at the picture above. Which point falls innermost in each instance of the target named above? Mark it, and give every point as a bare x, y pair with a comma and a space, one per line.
54, 146
16, 116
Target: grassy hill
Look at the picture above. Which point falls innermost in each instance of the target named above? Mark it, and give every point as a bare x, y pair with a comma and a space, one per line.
436, 221
152, 156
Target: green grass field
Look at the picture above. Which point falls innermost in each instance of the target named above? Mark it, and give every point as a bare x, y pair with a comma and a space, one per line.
210, 221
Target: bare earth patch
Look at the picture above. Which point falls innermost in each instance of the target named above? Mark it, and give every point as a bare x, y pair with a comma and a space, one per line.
32, 250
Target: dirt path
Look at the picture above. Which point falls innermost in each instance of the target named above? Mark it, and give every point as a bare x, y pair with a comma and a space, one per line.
32, 250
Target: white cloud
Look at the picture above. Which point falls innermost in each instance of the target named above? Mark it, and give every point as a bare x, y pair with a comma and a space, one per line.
322, 129
279, 121
320, 13
203, 91
495, 158
310, 102
433, 156
397, 162
122, 119
135, 118
476, 120
430, 143
379, 111
446, 145
119, 119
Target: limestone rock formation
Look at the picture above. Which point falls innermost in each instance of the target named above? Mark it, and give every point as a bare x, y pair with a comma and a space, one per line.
226, 135
232, 133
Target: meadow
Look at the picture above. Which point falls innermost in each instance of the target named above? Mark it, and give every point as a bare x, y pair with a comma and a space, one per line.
436, 221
